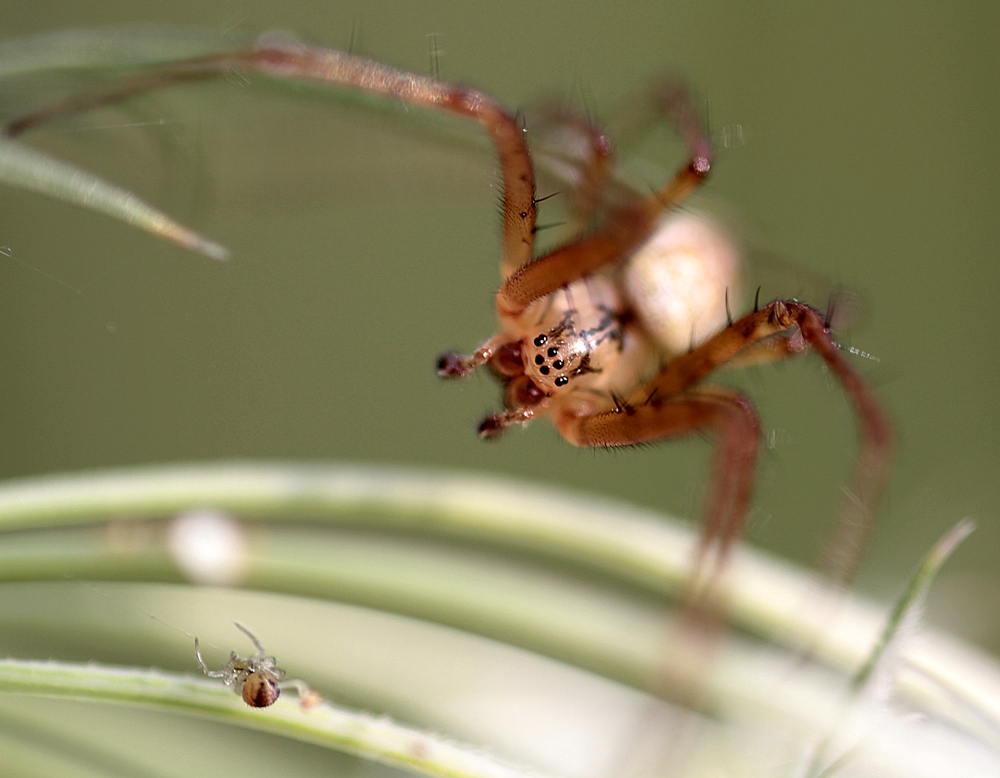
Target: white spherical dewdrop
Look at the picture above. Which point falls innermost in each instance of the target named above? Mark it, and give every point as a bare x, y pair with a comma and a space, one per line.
209, 546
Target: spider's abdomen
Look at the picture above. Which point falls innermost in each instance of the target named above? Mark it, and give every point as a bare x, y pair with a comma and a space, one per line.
260, 690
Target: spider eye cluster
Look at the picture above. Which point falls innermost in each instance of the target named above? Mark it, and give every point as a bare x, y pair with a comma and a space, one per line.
548, 363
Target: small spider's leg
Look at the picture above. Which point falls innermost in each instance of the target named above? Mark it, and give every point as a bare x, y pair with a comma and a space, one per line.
204, 667
626, 230
300, 61
201, 662
454, 365
308, 697
249, 634
277, 672
764, 334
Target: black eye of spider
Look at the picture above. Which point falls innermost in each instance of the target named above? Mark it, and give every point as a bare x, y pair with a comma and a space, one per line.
541, 340
558, 364
544, 371
552, 351
539, 360
561, 381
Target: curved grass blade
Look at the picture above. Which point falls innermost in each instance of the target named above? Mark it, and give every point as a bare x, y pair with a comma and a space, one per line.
108, 48
906, 615
871, 686
372, 737
27, 168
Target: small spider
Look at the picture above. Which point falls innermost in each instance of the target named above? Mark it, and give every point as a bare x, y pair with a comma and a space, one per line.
578, 338
254, 678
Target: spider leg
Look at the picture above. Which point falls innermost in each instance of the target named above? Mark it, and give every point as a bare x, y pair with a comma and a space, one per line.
768, 334
492, 427
517, 172
156, 78
595, 177
588, 163
454, 365
300, 61
626, 230
249, 634
738, 437
204, 667
772, 349
733, 420
308, 697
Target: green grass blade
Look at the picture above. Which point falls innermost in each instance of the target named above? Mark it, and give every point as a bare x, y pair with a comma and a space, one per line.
106, 48
24, 167
372, 737
867, 700
906, 614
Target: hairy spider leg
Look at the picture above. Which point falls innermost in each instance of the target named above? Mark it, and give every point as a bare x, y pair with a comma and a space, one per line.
666, 406
596, 175
626, 230
731, 417
842, 551
300, 61
594, 164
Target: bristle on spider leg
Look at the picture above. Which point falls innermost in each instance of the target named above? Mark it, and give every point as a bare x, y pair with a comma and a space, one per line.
434, 52
354, 40
831, 309
538, 200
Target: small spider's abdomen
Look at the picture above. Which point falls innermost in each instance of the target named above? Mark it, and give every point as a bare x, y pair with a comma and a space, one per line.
679, 281
260, 690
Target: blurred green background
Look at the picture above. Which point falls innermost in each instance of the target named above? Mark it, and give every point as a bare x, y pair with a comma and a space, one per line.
361, 249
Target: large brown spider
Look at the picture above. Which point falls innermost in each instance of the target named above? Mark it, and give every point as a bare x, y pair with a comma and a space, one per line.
575, 343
